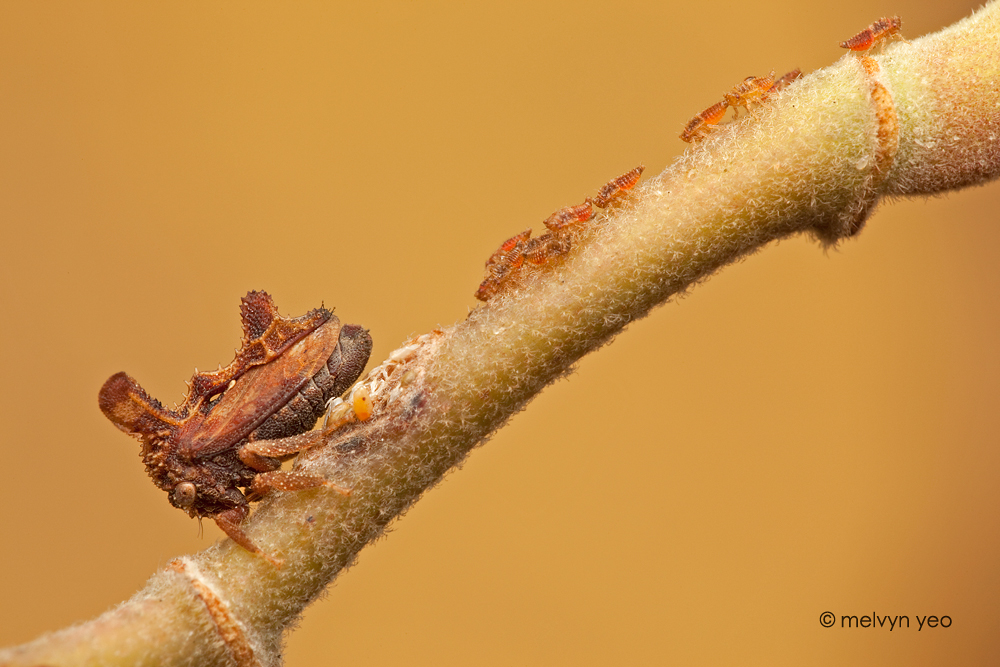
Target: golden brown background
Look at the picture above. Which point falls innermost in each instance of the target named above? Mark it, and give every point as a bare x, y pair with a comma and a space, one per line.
806, 432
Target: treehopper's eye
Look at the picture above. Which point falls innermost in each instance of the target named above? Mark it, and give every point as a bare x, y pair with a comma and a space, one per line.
183, 495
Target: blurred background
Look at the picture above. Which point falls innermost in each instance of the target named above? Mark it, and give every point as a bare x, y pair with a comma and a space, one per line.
809, 431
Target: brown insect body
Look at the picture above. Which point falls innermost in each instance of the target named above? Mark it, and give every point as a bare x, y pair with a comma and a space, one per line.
543, 249
617, 187
876, 32
237, 424
751, 91
509, 259
568, 216
701, 125
508, 250
785, 80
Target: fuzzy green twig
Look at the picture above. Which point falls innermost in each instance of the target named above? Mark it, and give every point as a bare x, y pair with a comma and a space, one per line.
922, 117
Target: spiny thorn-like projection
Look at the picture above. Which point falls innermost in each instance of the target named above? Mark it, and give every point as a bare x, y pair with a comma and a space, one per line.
238, 423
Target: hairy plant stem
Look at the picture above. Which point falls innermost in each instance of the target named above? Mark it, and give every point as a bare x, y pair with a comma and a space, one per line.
921, 117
